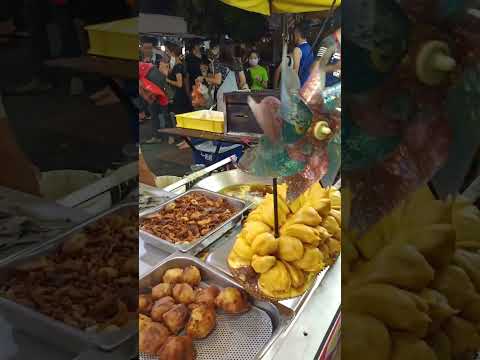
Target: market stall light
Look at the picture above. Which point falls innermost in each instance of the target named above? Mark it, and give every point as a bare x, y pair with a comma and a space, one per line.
162, 47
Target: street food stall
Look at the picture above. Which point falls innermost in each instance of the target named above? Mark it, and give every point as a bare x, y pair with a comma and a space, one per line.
262, 238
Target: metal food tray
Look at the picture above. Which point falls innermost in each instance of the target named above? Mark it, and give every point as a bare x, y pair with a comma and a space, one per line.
217, 257
42, 210
53, 331
202, 242
236, 337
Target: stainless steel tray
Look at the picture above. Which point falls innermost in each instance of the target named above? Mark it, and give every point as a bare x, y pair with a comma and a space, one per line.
43, 210
54, 331
239, 337
201, 243
217, 257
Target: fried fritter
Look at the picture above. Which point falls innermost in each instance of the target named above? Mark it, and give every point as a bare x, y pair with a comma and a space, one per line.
161, 306
161, 290
152, 338
202, 322
177, 348
176, 318
173, 276
191, 276
183, 293
232, 301
143, 322
207, 296
145, 303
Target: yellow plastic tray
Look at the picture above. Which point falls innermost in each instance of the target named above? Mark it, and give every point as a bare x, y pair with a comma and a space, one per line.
205, 120
117, 39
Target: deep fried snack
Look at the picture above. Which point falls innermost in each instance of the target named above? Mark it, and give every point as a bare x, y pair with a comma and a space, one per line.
191, 275
232, 301
173, 276
145, 303
202, 322
176, 318
160, 307
207, 296
183, 293
188, 218
152, 338
177, 348
161, 290
143, 322
86, 281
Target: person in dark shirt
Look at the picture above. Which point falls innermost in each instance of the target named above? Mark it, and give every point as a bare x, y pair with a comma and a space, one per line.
181, 103
193, 62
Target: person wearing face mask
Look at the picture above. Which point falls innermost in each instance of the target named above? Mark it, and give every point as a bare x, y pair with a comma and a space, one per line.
181, 102
257, 74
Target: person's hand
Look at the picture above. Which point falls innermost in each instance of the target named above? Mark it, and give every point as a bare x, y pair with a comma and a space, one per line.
142, 115
259, 79
164, 68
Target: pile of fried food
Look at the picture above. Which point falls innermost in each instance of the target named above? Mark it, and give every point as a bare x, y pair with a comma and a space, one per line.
188, 218
88, 282
285, 267
412, 283
177, 304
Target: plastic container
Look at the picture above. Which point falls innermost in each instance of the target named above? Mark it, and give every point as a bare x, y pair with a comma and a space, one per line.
55, 185
164, 181
205, 152
117, 39
206, 120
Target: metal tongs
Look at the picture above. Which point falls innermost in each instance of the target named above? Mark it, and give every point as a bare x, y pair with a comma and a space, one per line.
198, 174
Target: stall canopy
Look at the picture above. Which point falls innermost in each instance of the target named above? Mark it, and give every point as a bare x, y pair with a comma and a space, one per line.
265, 7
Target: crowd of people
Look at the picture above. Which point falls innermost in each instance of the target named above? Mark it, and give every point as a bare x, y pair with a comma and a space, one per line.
196, 76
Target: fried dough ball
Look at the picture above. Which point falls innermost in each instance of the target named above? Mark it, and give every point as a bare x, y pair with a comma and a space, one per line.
145, 303
232, 301
173, 276
176, 318
152, 338
207, 296
191, 276
161, 306
177, 348
143, 322
202, 321
161, 290
183, 293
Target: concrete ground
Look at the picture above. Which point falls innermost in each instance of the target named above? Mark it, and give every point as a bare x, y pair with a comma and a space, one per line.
60, 131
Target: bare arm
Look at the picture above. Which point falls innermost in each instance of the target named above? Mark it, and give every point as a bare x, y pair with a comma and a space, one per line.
216, 79
276, 76
178, 82
333, 67
297, 56
242, 79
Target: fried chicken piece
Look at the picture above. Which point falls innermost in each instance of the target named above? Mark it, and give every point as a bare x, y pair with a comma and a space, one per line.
183, 293
232, 301
177, 348
152, 338
161, 290
207, 296
173, 276
176, 318
161, 306
192, 276
202, 322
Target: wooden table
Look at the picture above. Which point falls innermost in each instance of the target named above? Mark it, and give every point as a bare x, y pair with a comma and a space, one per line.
186, 134
108, 67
